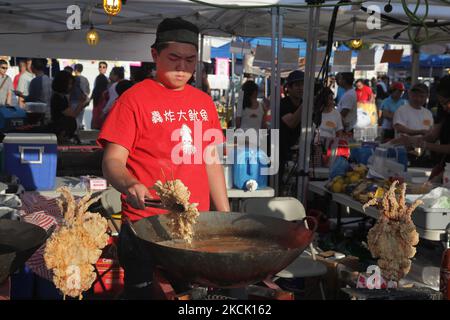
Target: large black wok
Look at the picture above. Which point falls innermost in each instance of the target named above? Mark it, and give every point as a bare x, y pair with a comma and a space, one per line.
18, 242
232, 267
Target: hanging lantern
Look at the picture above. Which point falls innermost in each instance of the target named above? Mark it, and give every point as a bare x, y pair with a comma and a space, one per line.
356, 43
112, 8
92, 37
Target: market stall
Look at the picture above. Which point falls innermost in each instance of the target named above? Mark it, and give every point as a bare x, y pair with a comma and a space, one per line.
276, 18
431, 227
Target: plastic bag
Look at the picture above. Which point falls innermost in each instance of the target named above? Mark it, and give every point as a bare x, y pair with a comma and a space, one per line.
339, 167
438, 198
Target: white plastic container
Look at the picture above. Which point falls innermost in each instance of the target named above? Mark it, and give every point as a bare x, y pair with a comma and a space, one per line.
446, 177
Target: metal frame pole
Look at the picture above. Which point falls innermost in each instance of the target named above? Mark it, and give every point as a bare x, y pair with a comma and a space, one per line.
308, 104
273, 70
199, 69
415, 64
232, 89
277, 84
273, 99
279, 62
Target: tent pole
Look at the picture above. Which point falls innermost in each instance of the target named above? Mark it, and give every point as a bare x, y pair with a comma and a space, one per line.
279, 62
232, 88
278, 82
199, 70
273, 99
307, 107
415, 64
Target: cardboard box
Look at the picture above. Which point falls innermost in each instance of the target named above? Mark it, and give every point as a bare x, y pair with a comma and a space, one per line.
93, 183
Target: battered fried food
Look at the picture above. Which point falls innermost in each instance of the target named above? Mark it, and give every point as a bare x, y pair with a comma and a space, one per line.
393, 238
173, 193
72, 250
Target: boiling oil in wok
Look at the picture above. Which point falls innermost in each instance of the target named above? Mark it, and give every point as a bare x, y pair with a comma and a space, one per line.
221, 244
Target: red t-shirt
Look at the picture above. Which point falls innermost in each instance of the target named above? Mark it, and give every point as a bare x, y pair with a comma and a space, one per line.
364, 94
150, 120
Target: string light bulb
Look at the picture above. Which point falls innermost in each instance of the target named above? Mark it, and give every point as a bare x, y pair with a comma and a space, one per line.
112, 8
92, 37
388, 7
356, 43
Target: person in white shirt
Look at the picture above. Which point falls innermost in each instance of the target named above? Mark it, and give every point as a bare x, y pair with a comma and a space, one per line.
252, 114
331, 124
117, 74
6, 84
25, 79
347, 105
412, 118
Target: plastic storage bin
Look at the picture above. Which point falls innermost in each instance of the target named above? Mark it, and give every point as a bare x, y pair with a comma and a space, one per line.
32, 158
11, 117
248, 165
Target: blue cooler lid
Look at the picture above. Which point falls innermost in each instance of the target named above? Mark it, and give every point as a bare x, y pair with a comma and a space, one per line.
30, 138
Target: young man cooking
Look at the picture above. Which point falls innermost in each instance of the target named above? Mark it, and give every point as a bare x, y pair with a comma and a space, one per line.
148, 128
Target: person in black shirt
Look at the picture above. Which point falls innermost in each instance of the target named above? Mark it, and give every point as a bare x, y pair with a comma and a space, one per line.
101, 82
63, 118
440, 130
290, 113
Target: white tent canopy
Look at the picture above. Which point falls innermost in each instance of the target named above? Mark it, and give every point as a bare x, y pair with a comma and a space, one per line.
132, 32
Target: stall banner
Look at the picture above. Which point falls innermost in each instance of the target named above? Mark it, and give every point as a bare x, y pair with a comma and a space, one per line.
366, 115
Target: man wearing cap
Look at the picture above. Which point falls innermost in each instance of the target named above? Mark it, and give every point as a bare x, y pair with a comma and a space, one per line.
412, 118
158, 130
389, 106
290, 113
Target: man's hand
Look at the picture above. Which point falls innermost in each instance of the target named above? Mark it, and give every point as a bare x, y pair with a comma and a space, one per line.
136, 195
19, 94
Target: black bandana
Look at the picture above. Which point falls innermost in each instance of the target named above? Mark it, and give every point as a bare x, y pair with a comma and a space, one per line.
176, 30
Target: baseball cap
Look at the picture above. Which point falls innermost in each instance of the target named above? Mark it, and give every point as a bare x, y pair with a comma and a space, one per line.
295, 75
420, 88
176, 30
397, 86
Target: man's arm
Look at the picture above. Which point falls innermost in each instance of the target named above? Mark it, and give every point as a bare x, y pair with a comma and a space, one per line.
402, 129
216, 181
292, 120
9, 95
422, 142
434, 133
75, 112
115, 171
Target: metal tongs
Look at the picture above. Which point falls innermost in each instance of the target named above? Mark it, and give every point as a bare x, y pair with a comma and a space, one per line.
156, 203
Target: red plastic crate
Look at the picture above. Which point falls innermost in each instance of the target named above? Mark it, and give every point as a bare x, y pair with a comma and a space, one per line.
110, 278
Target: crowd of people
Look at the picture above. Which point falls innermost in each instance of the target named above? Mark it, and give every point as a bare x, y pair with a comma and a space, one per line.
65, 96
403, 112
